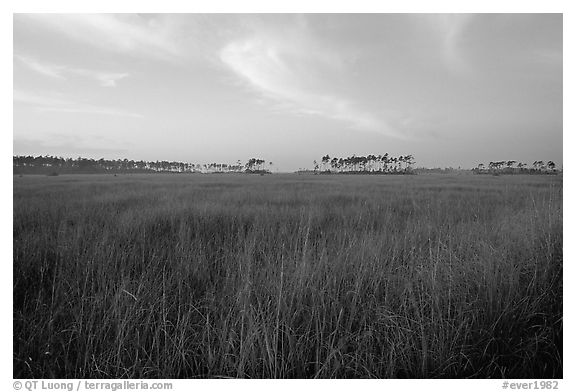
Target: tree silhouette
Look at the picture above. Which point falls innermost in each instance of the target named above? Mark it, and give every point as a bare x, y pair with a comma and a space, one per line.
325, 160
366, 164
516, 167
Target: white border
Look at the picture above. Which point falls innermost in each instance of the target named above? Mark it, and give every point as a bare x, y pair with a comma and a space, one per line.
303, 6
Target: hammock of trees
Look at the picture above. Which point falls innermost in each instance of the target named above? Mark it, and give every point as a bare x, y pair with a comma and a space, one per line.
515, 167
370, 164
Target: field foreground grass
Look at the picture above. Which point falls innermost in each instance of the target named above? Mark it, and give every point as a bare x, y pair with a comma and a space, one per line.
182, 276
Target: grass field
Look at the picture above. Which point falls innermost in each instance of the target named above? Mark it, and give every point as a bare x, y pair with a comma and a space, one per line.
182, 276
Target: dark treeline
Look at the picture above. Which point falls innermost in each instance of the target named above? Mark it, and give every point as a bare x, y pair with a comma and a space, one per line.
58, 165
376, 164
370, 164
516, 167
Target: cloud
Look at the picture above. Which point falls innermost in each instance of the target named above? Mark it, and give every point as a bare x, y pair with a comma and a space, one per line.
67, 145
450, 29
49, 103
105, 79
50, 70
109, 80
294, 75
145, 36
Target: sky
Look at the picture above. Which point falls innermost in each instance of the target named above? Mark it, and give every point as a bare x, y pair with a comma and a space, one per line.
453, 90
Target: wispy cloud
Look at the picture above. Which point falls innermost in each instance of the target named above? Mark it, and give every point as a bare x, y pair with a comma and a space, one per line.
280, 70
104, 79
69, 145
50, 70
147, 35
50, 103
450, 29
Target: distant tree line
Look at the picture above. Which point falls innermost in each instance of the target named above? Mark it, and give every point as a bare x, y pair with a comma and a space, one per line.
55, 165
372, 164
516, 167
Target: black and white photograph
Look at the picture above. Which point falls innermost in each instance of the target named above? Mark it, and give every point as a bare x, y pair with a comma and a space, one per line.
287, 196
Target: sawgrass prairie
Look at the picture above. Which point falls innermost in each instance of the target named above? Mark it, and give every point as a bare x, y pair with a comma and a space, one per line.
287, 276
